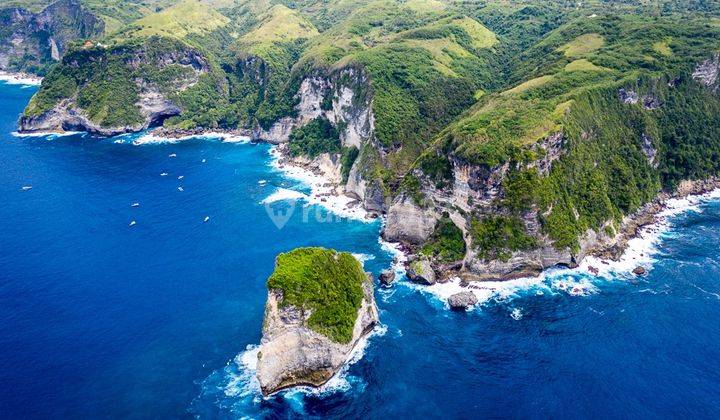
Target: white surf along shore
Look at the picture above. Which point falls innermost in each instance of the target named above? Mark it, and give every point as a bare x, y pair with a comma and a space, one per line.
642, 250
322, 193
20, 78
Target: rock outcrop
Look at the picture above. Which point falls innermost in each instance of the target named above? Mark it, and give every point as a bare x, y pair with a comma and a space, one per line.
387, 277
292, 354
153, 103
707, 73
349, 108
462, 300
422, 272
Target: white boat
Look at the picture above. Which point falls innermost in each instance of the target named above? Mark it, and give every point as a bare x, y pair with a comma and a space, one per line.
164, 174
135, 205
207, 218
133, 223
180, 189
27, 187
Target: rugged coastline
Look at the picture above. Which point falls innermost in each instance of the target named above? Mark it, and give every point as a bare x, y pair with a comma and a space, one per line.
329, 192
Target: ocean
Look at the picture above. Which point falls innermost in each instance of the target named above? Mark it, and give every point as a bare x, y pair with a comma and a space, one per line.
132, 285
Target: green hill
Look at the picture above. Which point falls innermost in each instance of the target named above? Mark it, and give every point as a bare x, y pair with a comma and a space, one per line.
565, 116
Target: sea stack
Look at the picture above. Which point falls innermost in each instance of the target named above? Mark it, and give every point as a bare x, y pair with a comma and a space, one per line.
320, 305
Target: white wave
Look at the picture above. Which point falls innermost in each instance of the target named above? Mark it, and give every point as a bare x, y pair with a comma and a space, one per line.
282, 194
243, 382
363, 258
322, 192
399, 257
516, 314
582, 281
48, 135
484, 291
151, 138
20, 79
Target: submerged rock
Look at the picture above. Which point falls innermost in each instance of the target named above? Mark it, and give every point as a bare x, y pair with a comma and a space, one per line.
297, 349
462, 300
422, 272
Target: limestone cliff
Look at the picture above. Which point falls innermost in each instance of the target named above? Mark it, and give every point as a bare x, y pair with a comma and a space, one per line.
31, 42
293, 353
149, 98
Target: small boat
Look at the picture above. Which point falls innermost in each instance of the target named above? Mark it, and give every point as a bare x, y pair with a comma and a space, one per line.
133, 223
180, 188
172, 155
135, 205
207, 219
181, 177
203, 161
164, 174
27, 187
262, 182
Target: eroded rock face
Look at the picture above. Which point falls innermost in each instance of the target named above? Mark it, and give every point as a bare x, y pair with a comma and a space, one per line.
707, 73
342, 97
154, 105
32, 41
408, 222
292, 354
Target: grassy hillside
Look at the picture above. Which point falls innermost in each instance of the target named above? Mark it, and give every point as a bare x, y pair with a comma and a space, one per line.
177, 21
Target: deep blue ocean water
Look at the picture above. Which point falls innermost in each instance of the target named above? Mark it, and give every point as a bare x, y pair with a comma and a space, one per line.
102, 319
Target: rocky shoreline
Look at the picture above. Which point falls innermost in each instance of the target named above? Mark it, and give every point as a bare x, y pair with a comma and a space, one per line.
648, 215
329, 192
610, 248
20, 78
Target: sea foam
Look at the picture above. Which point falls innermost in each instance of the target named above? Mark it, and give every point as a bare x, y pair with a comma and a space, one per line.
642, 250
321, 190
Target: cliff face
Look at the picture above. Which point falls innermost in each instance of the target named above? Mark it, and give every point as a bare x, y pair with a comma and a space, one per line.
292, 354
31, 42
343, 97
147, 98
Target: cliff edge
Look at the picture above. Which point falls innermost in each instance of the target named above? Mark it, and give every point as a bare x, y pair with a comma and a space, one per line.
320, 305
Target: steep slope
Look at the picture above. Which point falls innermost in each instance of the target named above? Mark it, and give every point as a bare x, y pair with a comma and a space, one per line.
546, 171
31, 42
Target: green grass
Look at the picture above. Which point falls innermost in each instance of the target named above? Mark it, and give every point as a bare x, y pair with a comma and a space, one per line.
583, 65
279, 24
326, 282
189, 17
582, 45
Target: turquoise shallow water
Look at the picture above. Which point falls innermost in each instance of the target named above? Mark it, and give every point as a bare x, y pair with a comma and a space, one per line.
102, 319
